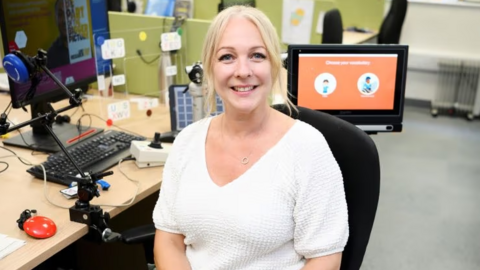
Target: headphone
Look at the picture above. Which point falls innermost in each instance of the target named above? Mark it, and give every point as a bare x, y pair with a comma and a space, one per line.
62, 119
19, 67
131, 6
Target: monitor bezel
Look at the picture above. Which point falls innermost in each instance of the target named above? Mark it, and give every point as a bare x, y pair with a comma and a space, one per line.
53, 95
354, 116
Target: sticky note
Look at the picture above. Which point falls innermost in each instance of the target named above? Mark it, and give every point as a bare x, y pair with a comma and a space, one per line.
142, 36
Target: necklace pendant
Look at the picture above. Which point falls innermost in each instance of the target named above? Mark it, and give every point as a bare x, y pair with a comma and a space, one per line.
245, 161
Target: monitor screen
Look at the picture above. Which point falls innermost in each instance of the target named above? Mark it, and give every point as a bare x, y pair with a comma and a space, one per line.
63, 28
71, 32
364, 84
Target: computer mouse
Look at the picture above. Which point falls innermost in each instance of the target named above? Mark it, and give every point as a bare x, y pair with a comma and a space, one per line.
40, 227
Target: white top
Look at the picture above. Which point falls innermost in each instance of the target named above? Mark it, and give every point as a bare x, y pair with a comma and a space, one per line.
290, 205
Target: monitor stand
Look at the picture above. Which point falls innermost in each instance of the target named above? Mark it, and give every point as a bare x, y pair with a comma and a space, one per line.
37, 140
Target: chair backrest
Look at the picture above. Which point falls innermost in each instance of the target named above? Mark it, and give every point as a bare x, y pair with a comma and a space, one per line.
358, 159
332, 27
391, 28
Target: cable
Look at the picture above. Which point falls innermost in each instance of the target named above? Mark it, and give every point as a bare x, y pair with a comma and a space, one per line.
143, 59
33, 146
6, 166
28, 163
45, 189
8, 106
134, 181
90, 116
23, 160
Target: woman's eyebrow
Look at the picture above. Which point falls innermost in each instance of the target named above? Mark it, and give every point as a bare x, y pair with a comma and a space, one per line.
232, 48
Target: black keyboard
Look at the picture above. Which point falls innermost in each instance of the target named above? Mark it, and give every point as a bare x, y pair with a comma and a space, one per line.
95, 154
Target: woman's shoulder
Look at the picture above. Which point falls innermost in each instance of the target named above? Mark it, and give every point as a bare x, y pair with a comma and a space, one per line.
305, 135
192, 131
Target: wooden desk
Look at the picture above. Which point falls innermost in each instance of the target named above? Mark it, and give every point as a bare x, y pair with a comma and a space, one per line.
350, 37
21, 191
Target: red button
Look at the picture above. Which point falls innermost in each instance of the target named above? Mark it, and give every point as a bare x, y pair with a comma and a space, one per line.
40, 227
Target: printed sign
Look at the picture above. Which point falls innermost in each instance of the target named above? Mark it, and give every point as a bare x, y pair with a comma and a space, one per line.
171, 41
118, 80
119, 110
113, 48
145, 103
78, 30
101, 82
171, 71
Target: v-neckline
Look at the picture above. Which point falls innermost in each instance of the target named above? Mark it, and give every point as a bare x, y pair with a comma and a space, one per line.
241, 176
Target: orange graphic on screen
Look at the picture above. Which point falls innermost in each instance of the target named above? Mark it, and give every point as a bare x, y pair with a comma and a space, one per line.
356, 82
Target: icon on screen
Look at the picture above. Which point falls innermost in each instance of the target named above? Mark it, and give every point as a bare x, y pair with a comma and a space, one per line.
325, 84
368, 84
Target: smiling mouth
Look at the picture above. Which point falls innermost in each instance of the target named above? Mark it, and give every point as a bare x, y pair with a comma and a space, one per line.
243, 89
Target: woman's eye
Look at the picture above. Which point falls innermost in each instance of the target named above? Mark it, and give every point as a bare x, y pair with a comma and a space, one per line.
258, 56
225, 57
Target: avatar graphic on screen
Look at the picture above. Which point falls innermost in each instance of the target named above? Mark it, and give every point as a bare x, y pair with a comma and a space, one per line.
325, 86
58, 54
367, 85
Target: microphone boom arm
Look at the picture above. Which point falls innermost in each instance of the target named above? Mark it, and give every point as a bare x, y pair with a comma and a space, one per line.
82, 211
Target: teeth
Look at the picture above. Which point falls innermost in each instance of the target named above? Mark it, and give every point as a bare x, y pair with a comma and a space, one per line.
243, 89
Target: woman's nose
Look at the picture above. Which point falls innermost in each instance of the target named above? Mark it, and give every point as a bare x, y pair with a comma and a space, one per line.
243, 69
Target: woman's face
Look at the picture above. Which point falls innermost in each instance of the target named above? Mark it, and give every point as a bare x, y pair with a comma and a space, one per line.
242, 70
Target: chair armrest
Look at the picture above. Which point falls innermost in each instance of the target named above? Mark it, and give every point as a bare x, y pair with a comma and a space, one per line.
139, 235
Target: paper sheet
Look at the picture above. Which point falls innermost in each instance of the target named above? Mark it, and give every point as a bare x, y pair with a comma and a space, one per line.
321, 17
297, 19
9, 245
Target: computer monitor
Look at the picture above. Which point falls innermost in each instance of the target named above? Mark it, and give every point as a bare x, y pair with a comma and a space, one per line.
66, 30
362, 84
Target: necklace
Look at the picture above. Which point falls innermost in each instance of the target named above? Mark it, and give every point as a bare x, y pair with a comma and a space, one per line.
245, 160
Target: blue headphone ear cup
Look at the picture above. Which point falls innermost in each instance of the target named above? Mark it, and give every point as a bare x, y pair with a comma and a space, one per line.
18, 68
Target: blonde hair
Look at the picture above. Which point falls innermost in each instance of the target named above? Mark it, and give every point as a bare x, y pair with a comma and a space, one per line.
272, 44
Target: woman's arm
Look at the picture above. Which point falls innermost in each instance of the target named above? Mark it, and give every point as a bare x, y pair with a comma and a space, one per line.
329, 262
169, 251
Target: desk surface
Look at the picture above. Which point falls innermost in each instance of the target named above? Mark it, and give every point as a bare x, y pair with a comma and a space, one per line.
350, 37
21, 191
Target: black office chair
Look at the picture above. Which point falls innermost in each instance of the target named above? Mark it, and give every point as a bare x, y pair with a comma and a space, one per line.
332, 27
391, 28
358, 159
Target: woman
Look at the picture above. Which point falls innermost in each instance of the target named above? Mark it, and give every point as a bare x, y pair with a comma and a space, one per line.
251, 188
